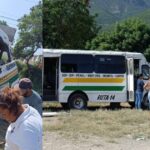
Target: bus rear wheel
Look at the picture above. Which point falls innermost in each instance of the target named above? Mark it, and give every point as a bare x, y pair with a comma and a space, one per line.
78, 101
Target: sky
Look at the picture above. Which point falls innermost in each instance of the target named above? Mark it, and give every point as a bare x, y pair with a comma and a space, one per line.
12, 10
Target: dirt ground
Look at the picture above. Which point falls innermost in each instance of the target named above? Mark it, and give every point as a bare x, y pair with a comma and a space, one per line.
54, 141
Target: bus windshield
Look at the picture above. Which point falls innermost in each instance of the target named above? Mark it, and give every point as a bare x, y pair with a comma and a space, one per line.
146, 71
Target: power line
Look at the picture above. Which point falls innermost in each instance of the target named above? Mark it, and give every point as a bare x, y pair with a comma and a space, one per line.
9, 18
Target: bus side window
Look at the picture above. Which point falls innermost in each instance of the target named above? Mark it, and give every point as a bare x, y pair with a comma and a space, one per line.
77, 63
69, 68
110, 64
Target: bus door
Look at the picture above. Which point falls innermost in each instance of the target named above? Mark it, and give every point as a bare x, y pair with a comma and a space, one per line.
50, 78
130, 80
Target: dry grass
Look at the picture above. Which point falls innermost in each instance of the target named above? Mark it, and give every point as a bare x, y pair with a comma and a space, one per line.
103, 123
1, 146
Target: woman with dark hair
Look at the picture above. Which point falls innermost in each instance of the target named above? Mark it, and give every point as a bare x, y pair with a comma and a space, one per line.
25, 129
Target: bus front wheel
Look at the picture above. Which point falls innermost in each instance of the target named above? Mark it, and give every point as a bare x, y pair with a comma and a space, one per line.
78, 101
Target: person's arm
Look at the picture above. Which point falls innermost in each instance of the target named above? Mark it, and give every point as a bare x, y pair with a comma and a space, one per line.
145, 85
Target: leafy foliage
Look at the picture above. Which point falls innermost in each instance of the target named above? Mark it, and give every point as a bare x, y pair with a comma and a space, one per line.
147, 53
30, 35
67, 24
131, 35
36, 74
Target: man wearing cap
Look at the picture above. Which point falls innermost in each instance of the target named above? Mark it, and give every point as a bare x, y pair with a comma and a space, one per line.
31, 97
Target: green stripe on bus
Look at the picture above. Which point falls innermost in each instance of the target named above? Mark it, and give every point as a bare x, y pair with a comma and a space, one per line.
11, 80
93, 88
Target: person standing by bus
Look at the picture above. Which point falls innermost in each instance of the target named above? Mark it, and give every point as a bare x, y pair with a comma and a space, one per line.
139, 91
31, 97
147, 87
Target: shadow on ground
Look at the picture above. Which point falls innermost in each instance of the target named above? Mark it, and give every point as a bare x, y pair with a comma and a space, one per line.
114, 107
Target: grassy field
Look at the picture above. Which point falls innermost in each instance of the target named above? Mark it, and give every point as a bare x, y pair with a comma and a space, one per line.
100, 121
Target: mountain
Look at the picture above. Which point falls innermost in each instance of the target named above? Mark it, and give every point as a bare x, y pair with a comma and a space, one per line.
110, 11
145, 16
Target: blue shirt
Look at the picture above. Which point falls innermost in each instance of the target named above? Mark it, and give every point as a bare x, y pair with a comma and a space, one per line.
139, 85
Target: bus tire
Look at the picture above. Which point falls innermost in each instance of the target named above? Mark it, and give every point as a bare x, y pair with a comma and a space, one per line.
78, 101
145, 102
65, 106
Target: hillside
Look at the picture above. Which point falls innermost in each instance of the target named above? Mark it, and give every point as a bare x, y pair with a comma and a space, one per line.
110, 11
145, 16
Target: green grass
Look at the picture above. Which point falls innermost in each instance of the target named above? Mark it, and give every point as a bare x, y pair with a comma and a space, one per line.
103, 123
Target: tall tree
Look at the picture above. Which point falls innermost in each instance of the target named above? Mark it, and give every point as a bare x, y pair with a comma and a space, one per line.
131, 35
67, 24
30, 34
147, 53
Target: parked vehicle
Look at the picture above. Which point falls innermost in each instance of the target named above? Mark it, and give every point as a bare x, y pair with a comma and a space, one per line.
76, 77
8, 69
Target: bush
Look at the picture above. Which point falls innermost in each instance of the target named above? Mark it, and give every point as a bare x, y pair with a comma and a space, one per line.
35, 74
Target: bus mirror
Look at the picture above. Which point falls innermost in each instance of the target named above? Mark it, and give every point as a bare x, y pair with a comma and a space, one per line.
145, 72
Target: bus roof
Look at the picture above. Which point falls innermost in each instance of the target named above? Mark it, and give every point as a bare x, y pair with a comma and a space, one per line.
59, 52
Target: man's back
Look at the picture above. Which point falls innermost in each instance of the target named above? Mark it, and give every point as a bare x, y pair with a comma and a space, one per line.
140, 84
35, 101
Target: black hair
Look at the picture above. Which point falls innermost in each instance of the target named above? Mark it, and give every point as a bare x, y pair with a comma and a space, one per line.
140, 75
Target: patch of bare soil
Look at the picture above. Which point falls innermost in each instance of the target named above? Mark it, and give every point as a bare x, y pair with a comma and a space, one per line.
55, 141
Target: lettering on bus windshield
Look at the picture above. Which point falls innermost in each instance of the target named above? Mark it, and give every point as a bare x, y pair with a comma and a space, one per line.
106, 97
